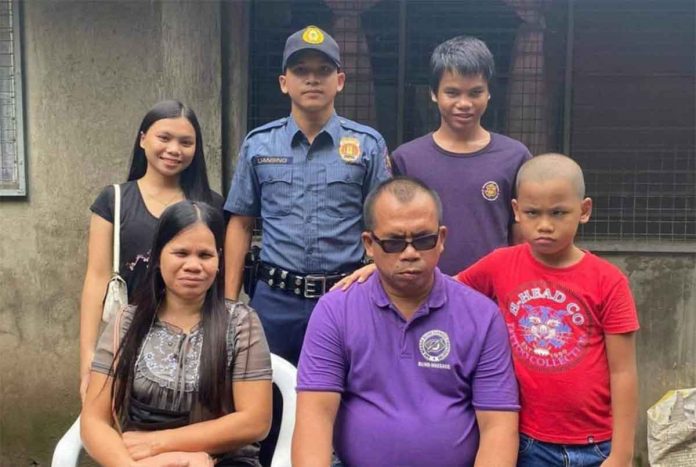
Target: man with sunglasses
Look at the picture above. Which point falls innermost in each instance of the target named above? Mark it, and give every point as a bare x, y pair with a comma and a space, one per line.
409, 368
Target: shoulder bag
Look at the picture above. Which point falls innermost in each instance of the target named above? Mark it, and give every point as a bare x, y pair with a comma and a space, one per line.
116, 290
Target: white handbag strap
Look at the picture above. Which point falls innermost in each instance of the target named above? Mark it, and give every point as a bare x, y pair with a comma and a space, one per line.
117, 227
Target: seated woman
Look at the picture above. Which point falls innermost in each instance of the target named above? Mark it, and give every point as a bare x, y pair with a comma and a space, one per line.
191, 377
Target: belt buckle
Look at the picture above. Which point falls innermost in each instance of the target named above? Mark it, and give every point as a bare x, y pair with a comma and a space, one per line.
310, 286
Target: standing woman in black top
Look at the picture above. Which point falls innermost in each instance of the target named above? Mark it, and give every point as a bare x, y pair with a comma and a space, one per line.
167, 166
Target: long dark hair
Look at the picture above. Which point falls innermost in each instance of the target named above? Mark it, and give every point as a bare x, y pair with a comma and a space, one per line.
214, 316
194, 179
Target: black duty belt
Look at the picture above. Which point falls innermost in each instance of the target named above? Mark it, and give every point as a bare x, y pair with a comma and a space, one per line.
302, 285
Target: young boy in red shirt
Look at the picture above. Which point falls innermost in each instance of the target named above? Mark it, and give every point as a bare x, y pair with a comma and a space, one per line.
571, 320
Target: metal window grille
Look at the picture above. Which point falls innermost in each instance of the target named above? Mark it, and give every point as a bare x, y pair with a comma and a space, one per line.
571, 76
385, 48
12, 167
633, 122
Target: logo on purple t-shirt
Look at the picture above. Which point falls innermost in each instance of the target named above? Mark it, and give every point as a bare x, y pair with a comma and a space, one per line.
490, 190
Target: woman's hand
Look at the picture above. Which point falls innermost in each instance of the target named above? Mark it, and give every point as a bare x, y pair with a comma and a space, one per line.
177, 459
143, 444
359, 276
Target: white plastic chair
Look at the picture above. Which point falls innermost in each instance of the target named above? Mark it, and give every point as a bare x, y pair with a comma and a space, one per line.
284, 376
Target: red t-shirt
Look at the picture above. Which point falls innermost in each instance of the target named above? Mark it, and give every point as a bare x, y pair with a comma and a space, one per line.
556, 319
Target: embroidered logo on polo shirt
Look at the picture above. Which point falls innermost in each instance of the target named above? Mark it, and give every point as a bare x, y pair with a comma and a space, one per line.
266, 160
349, 149
490, 190
434, 346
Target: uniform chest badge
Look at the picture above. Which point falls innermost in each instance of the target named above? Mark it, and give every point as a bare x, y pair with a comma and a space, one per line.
349, 149
490, 190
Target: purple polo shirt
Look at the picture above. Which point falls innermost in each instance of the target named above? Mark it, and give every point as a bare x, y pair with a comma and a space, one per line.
409, 389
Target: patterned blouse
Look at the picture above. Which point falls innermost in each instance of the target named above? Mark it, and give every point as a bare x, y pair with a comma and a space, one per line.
168, 362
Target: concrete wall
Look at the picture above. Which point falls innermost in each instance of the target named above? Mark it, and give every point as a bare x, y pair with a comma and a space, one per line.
92, 70
664, 286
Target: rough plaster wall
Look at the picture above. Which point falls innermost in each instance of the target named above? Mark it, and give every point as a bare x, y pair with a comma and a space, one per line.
191, 70
92, 69
664, 287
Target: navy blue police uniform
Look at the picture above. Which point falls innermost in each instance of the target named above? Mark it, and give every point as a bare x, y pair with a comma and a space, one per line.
309, 198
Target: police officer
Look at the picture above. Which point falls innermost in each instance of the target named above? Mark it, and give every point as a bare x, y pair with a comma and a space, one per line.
306, 177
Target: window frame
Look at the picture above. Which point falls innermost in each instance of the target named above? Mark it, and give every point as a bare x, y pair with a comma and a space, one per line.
628, 244
21, 181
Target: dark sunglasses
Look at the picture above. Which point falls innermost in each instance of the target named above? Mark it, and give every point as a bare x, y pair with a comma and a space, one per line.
397, 245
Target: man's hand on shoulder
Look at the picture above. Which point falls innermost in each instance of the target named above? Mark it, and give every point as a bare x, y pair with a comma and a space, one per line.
359, 276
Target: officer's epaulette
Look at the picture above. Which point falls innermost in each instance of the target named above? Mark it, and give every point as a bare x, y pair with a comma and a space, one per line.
268, 126
358, 128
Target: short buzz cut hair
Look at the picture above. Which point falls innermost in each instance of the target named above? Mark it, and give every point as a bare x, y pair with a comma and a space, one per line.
463, 55
404, 189
551, 166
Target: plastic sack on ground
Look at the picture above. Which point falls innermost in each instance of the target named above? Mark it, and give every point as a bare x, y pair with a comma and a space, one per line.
672, 430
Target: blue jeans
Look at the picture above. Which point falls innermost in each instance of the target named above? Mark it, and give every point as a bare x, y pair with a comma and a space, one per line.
535, 453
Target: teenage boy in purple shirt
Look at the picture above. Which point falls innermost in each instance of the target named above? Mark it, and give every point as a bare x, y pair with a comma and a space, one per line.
409, 368
472, 169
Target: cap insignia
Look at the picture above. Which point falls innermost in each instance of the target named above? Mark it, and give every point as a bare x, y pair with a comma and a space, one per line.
313, 35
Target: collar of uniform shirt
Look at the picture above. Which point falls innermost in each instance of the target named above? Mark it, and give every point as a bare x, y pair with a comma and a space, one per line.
332, 128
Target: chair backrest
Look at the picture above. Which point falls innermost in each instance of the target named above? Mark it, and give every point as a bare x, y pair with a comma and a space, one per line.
284, 376
68, 448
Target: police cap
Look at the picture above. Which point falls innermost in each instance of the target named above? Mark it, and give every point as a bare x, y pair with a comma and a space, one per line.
311, 38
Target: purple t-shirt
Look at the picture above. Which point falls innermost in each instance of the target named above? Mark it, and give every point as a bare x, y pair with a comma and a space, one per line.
409, 389
476, 189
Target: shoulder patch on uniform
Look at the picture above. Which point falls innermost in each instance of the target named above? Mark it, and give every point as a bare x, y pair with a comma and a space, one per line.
268, 126
359, 128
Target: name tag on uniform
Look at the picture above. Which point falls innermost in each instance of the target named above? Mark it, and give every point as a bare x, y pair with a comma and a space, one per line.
277, 160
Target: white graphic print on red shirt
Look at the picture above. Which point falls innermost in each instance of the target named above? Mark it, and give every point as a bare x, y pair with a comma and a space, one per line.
549, 326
